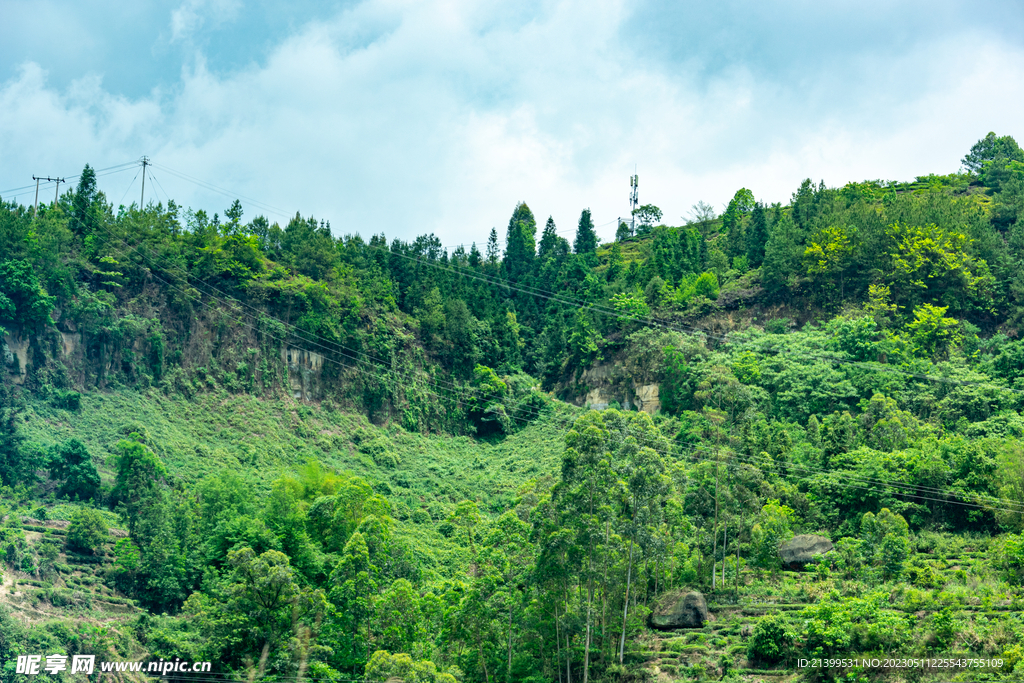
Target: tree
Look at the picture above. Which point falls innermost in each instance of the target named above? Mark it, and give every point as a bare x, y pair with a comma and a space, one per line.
139, 473
87, 531
771, 640
86, 204
757, 235
352, 586
14, 467
265, 595
888, 536
71, 463
23, 301
548, 241
493, 250
782, 255
648, 215
520, 243
234, 216
931, 332
992, 148
701, 216
733, 222
771, 530
384, 666
829, 255
585, 243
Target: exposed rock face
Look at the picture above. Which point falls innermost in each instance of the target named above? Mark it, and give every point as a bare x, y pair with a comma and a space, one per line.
802, 549
17, 357
679, 610
302, 366
647, 398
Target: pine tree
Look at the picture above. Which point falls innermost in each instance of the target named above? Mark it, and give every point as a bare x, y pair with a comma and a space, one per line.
520, 242
493, 251
585, 243
83, 204
548, 240
757, 235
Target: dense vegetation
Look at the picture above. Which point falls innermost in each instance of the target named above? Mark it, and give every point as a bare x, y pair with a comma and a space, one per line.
305, 455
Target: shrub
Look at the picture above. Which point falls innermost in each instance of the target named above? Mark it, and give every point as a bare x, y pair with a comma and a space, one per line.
771, 640
87, 532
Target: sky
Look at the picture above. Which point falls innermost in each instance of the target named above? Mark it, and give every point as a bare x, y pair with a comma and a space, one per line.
410, 117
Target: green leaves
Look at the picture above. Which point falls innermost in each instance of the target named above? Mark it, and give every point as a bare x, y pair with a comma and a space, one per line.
87, 531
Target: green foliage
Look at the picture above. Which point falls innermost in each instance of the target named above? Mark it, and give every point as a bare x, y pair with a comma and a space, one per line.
773, 527
771, 640
384, 666
87, 532
22, 298
139, 473
70, 463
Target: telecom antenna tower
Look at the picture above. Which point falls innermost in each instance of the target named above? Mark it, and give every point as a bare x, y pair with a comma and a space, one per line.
634, 183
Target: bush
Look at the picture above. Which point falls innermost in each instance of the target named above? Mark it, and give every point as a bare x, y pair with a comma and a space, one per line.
87, 532
771, 640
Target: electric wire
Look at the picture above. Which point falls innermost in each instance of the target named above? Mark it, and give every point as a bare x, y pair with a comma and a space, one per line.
348, 353
901, 488
129, 187
109, 170
686, 329
379, 370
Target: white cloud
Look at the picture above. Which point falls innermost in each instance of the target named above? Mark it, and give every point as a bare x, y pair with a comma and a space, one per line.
192, 15
440, 116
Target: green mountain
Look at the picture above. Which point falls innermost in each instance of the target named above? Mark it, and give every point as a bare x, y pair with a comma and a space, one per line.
293, 454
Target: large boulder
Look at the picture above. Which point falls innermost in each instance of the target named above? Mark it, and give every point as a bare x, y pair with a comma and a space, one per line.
679, 610
800, 550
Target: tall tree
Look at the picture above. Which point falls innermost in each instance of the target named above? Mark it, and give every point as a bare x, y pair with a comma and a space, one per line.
733, 222
85, 206
520, 242
548, 241
757, 235
585, 243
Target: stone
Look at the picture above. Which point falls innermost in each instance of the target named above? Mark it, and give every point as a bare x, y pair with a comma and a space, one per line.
800, 550
647, 398
679, 610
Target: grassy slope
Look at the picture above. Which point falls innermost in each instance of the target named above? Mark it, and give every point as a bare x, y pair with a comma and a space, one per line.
266, 438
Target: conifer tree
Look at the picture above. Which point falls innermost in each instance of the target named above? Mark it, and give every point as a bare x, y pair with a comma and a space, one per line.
757, 235
585, 243
520, 242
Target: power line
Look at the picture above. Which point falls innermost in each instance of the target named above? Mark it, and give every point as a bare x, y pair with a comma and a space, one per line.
907, 489
738, 457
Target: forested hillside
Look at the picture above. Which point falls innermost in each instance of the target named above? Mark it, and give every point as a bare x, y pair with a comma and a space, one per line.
303, 451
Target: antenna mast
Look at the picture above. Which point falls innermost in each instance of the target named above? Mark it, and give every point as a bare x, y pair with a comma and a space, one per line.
634, 183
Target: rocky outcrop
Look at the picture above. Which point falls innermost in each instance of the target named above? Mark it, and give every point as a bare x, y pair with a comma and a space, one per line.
610, 384
302, 366
680, 610
800, 550
17, 356
647, 398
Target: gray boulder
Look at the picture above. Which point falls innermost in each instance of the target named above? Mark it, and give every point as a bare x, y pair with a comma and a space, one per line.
800, 550
679, 610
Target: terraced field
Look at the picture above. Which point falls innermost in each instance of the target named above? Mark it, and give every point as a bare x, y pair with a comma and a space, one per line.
983, 614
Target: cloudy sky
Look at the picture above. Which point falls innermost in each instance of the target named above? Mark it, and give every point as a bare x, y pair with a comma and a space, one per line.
440, 115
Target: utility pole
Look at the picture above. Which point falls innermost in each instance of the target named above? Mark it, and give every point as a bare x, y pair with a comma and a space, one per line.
142, 202
49, 180
56, 191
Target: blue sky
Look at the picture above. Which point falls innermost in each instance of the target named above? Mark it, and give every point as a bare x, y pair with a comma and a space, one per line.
439, 116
